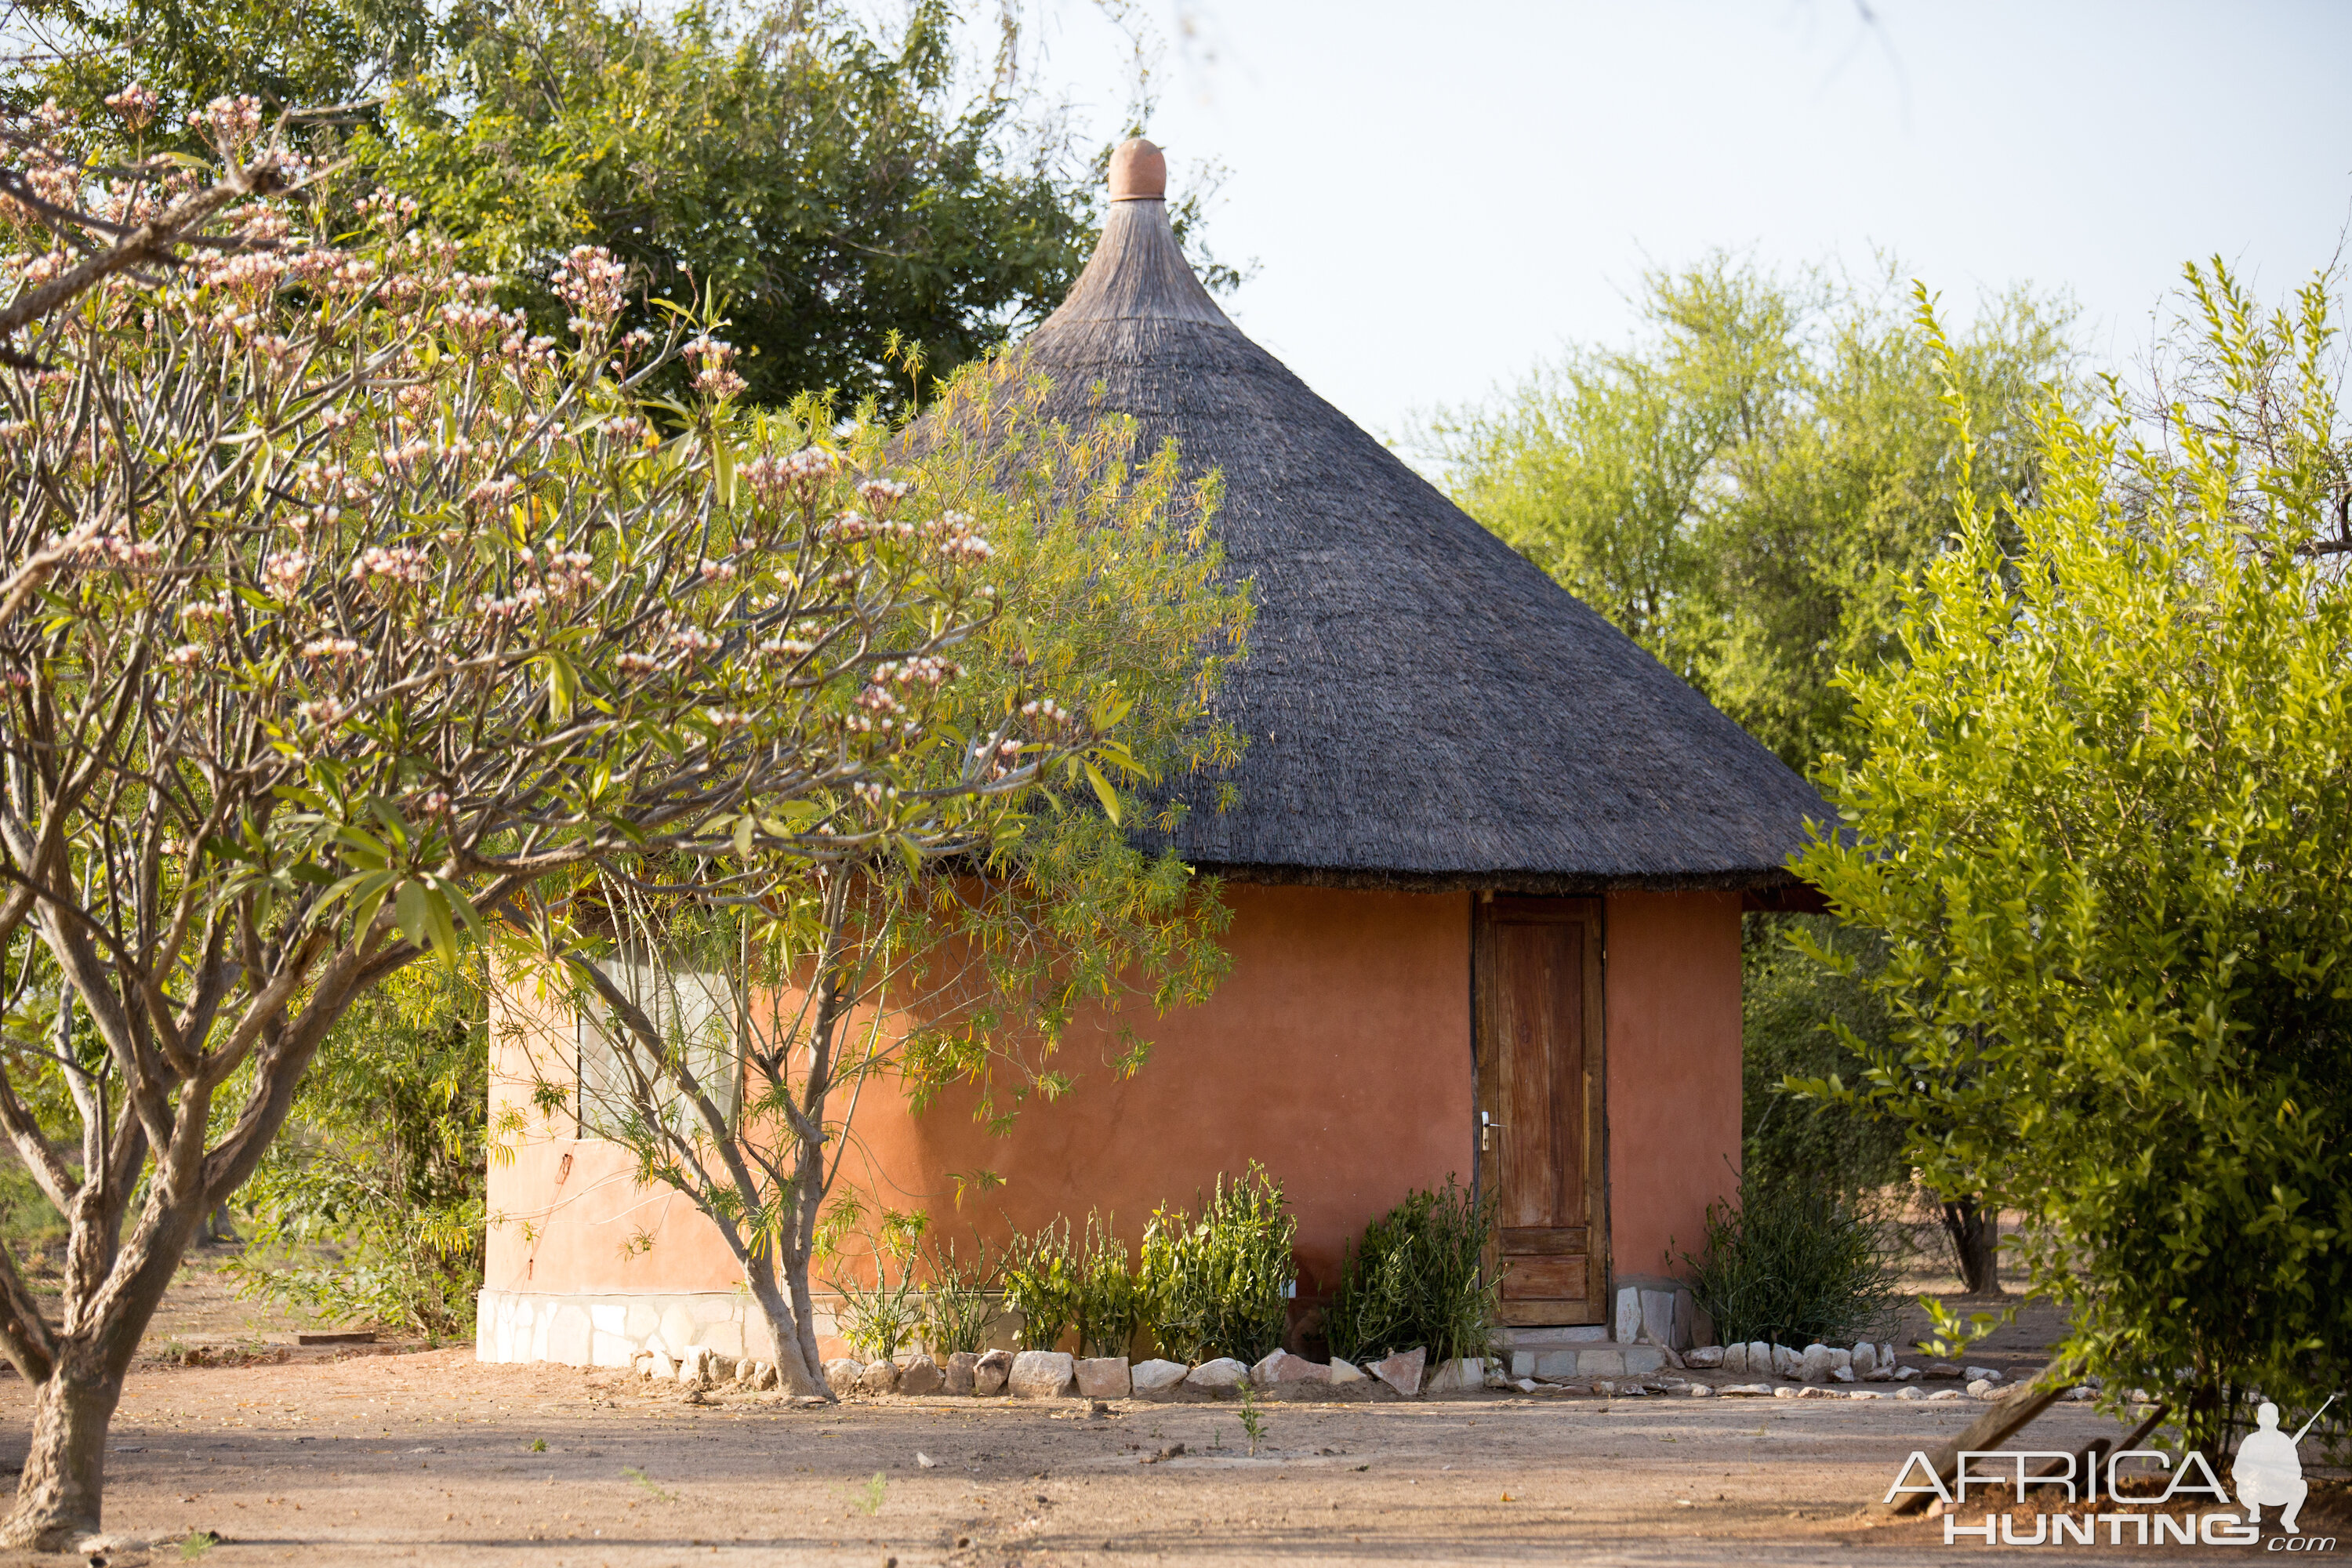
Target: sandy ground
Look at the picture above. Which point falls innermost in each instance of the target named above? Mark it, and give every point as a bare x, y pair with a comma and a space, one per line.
337, 1456
431, 1456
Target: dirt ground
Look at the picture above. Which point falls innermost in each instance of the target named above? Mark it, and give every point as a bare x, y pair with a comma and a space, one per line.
339, 1456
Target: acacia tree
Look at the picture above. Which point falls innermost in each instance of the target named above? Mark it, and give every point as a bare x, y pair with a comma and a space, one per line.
369, 611
739, 1020
2099, 814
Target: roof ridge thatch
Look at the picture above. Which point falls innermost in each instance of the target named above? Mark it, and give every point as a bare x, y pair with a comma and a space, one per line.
1424, 707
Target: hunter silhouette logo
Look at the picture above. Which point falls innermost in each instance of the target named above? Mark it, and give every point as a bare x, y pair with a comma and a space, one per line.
2268, 1469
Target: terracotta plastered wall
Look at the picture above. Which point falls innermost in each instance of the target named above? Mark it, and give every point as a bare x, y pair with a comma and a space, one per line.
1673, 1002
1336, 1053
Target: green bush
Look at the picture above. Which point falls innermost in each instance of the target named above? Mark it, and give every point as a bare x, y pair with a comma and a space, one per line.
881, 1319
1793, 1266
1114, 1300
1221, 1283
1042, 1282
1801, 1019
962, 1308
1416, 1277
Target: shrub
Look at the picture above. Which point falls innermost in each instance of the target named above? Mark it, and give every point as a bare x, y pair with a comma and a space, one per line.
1114, 1300
1417, 1278
882, 1320
1042, 1283
962, 1308
1221, 1283
1793, 1266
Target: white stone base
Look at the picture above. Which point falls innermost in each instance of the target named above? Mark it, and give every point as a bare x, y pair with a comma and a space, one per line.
611, 1330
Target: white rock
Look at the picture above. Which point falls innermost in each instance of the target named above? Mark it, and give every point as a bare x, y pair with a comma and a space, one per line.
1906, 1374
1526, 1385
1877, 1375
1762, 1362
1815, 1364
988, 1372
1735, 1358
1886, 1353
660, 1368
1704, 1357
1103, 1377
1629, 1314
1863, 1359
1909, 1393
926, 1461
1944, 1393
1841, 1375
1152, 1378
766, 1377
1786, 1392
1787, 1363
2082, 1391
1041, 1374
841, 1374
1699, 1391
1982, 1374
1980, 1388
1864, 1394
1456, 1377
880, 1377
920, 1375
1346, 1371
1839, 1358
1219, 1376
960, 1371
1747, 1390
1281, 1366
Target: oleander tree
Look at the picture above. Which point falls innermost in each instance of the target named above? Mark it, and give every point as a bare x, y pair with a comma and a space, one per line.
342, 614
2098, 813
742, 1013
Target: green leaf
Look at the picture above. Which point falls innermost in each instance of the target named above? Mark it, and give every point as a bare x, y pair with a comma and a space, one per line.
1104, 793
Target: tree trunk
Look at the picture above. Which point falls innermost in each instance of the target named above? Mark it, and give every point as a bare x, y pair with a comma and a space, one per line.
1975, 1235
58, 1496
796, 1364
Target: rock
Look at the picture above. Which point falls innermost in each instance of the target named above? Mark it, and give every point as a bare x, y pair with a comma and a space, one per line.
1344, 1371
1906, 1374
1402, 1371
694, 1369
960, 1371
1041, 1374
1813, 1391
1283, 1367
1735, 1358
1641, 1359
1658, 1318
1839, 1358
1877, 1375
1980, 1388
1456, 1377
1865, 1394
988, 1372
1745, 1391
1841, 1375
1942, 1369
1985, 1374
920, 1376
2082, 1391
1785, 1393
1600, 1360
1909, 1393
766, 1377
1221, 1375
1787, 1363
721, 1368
1706, 1357
1944, 1393
1699, 1391
880, 1377
1525, 1384
1156, 1379
925, 1460
1605, 1389
660, 1368
1103, 1377
1815, 1364
1862, 1358
1629, 1315
841, 1374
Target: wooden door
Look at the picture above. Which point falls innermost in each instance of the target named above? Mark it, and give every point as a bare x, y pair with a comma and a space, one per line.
1537, 968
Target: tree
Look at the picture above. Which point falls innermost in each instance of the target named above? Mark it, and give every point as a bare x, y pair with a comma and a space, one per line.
832, 184
738, 1027
2098, 813
368, 611
1745, 490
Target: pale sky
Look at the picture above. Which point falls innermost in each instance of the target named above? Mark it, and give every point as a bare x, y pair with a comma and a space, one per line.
1436, 197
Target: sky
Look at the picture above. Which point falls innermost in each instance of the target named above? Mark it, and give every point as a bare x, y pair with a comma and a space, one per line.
1437, 197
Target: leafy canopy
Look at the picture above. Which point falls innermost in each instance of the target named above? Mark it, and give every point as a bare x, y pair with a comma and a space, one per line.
2100, 813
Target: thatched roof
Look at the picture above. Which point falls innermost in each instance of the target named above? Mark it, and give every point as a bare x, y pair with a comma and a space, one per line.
1423, 707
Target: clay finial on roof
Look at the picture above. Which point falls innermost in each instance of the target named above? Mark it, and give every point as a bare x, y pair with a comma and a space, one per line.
1138, 171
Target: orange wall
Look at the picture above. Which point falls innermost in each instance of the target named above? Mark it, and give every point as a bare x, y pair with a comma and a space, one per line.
1673, 1002
1336, 1053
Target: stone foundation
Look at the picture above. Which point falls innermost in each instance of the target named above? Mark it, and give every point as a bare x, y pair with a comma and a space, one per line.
611, 1330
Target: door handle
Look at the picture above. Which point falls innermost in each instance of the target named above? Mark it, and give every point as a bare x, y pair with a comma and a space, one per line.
1487, 1128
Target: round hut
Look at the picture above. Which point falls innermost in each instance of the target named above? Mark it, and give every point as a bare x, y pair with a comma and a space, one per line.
1486, 871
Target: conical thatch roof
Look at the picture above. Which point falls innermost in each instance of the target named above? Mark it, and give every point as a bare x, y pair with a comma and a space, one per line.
1423, 707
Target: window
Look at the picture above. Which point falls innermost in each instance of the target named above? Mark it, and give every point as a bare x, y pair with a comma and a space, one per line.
697, 1014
